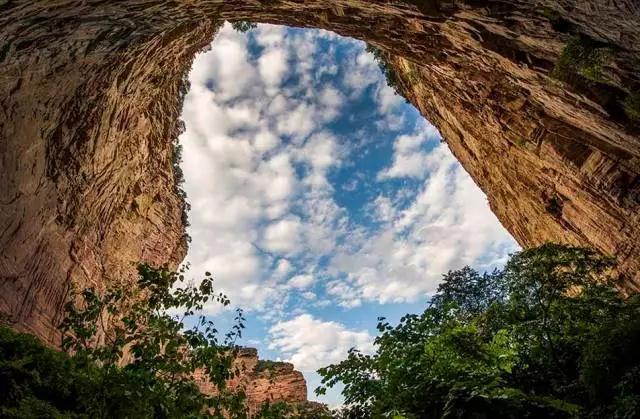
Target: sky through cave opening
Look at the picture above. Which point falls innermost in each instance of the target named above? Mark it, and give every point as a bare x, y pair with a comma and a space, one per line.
320, 199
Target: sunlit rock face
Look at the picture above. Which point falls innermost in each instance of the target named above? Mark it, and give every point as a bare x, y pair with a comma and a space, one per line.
278, 382
90, 96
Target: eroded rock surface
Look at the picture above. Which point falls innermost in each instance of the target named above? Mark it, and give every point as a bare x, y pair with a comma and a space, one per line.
263, 382
90, 95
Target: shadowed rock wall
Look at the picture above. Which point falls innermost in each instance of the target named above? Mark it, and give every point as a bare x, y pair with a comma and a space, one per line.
90, 95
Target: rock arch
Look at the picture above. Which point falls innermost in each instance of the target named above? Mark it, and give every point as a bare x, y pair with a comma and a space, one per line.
90, 95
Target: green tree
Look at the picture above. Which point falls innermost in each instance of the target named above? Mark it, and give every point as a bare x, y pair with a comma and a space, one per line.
178, 179
389, 72
130, 354
547, 336
243, 26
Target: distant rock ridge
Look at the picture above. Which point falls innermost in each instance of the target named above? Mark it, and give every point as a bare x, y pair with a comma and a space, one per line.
274, 382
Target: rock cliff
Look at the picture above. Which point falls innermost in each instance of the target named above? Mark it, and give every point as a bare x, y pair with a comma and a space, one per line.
263, 381
90, 95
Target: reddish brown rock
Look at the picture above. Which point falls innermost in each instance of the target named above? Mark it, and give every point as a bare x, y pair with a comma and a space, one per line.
90, 96
263, 382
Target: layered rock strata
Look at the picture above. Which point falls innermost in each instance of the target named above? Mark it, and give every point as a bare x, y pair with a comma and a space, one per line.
90, 95
263, 382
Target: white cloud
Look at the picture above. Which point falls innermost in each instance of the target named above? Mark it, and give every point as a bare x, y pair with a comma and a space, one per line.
361, 73
265, 141
301, 281
332, 100
273, 66
241, 181
384, 209
308, 295
310, 343
446, 227
233, 78
298, 122
387, 99
282, 236
276, 178
320, 152
409, 160
270, 35
258, 158
282, 268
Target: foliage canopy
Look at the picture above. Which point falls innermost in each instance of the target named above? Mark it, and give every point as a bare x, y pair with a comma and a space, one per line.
148, 327
547, 336
243, 26
582, 57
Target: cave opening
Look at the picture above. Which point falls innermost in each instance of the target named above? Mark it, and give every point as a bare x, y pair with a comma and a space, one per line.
319, 198
90, 99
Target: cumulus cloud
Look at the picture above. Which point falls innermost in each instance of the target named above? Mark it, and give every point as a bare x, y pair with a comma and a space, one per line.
409, 159
273, 66
301, 281
446, 227
310, 343
245, 134
259, 152
237, 74
265, 141
361, 72
283, 235
236, 181
387, 98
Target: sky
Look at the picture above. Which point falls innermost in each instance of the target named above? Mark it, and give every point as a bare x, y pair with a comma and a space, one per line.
320, 200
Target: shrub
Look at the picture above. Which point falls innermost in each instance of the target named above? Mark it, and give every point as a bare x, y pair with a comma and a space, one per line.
243, 26
388, 71
163, 354
281, 410
547, 336
264, 365
584, 58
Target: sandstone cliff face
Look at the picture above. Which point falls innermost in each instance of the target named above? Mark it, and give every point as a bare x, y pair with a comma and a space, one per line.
277, 383
90, 97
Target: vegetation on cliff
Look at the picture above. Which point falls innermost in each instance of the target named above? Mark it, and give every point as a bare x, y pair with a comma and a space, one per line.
243, 26
585, 65
547, 336
178, 178
582, 57
282, 410
148, 326
387, 70
266, 365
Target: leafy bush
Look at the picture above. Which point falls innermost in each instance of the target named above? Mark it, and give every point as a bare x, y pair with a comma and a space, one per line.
163, 354
178, 177
582, 57
547, 336
264, 365
389, 73
281, 410
243, 26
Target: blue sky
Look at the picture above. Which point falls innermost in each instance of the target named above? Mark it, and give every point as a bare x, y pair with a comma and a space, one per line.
320, 199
